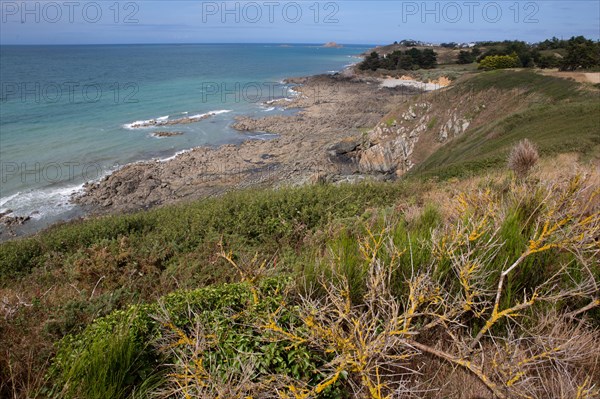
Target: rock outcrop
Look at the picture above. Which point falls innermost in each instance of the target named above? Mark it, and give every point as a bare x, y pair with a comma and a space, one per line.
166, 134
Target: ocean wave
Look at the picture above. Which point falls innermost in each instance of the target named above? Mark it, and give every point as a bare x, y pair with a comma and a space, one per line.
40, 203
164, 120
211, 113
178, 153
7, 199
130, 126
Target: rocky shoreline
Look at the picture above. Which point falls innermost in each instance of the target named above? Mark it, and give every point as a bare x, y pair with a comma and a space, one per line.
313, 144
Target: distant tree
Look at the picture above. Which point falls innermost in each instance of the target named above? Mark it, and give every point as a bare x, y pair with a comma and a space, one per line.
449, 45
526, 59
408, 60
548, 61
392, 61
428, 59
491, 52
372, 62
466, 57
522, 50
416, 56
552, 44
581, 53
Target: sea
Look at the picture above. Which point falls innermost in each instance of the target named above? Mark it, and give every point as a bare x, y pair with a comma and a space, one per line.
71, 114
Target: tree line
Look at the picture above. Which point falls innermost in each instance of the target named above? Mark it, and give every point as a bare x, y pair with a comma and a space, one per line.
567, 55
411, 59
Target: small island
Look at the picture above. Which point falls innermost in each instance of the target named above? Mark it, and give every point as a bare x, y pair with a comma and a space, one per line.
332, 45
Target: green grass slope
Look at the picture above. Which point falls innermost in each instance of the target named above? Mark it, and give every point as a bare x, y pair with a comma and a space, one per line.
558, 115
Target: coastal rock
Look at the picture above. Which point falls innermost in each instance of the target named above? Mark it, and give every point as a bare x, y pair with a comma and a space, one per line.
332, 45
245, 124
454, 126
378, 158
343, 147
389, 146
344, 155
10, 221
6, 212
166, 134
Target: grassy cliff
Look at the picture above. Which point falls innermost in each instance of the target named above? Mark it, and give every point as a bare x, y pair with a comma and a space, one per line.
559, 115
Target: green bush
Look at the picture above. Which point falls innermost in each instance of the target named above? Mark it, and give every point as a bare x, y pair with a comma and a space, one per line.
118, 356
499, 62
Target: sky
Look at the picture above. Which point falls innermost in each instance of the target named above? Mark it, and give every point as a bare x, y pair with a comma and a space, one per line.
270, 21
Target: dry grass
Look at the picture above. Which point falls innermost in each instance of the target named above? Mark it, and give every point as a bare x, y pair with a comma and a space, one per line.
523, 158
507, 345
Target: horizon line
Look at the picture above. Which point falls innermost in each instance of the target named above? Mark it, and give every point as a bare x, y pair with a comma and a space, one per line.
320, 44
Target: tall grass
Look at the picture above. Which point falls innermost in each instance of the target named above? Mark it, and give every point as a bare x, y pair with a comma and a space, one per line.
522, 158
115, 366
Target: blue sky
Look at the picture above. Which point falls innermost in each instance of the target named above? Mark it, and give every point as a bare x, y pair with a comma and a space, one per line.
345, 21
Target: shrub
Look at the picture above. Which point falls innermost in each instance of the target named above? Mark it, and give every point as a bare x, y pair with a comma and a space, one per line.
499, 62
522, 158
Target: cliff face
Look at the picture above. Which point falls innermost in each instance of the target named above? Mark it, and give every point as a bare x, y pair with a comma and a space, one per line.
408, 135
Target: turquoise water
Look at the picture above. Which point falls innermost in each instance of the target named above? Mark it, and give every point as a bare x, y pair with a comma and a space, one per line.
65, 110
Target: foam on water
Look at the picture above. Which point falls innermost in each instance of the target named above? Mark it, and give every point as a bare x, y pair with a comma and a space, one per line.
150, 122
211, 113
130, 126
178, 153
40, 203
